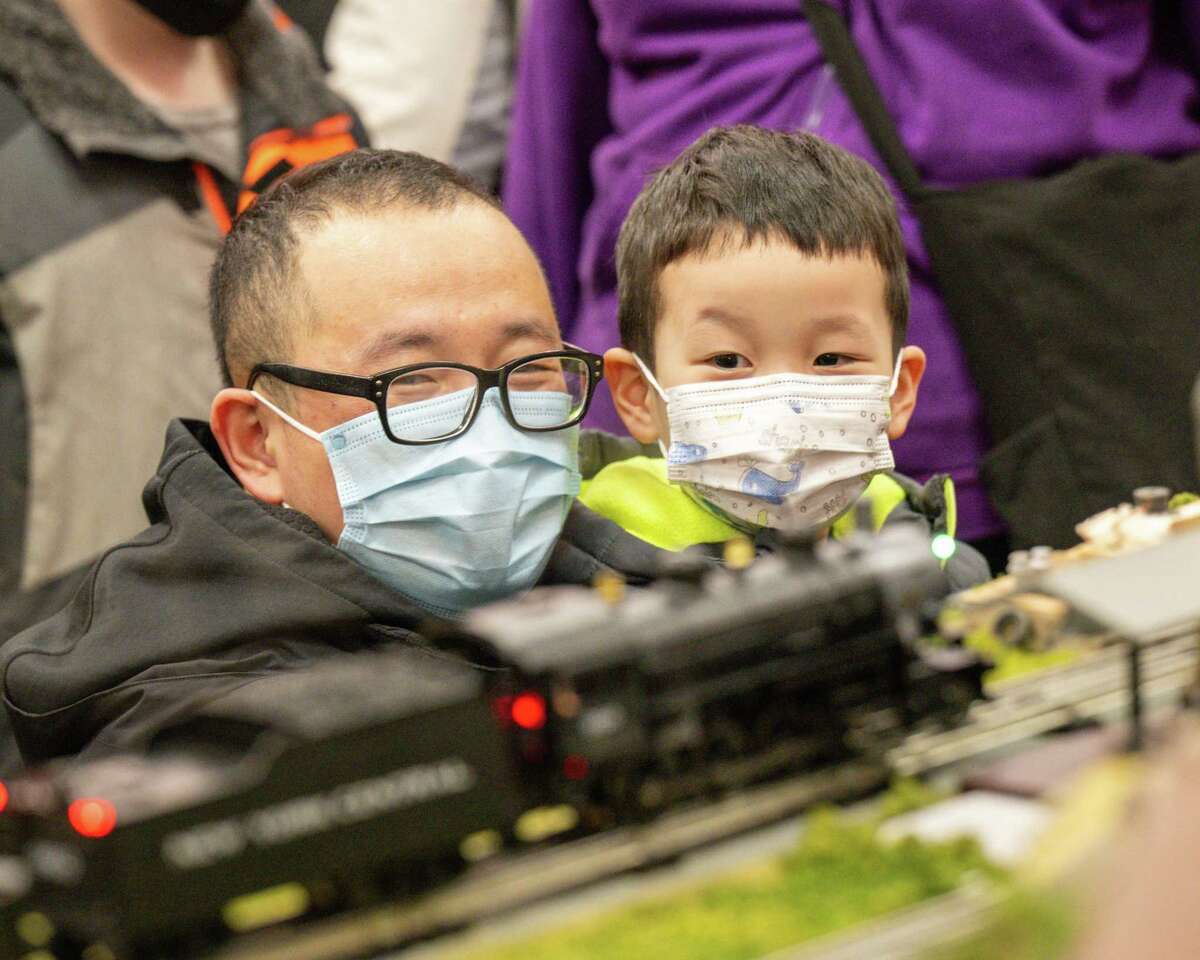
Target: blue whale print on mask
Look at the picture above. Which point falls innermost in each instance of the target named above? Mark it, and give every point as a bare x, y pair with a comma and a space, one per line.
687, 453
756, 483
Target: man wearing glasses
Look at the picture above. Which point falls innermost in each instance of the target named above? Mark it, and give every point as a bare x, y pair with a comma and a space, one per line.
399, 438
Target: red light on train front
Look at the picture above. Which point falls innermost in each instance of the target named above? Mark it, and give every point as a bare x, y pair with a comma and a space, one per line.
528, 710
92, 817
3, 797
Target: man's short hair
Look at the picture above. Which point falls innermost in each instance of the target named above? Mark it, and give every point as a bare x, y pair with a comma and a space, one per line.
751, 184
256, 291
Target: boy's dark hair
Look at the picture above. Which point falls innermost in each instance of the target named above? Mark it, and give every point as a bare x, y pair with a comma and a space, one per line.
757, 183
256, 291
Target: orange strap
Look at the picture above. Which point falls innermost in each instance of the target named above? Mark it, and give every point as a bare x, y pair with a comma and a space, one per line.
281, 151
210, 193
273, 155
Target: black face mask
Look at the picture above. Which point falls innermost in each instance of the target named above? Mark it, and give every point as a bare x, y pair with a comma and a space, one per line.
196, 18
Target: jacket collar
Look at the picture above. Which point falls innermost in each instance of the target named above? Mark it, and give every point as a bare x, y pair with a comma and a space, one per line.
193, 478
192, 466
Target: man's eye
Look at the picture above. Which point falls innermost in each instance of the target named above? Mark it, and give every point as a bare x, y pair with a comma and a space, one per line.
412, 380
829, 360
729, 361
538, 375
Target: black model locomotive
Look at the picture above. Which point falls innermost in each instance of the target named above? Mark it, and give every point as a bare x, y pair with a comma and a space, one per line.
361, 779
717, 678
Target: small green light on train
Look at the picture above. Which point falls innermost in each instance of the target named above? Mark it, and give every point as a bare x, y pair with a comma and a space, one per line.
943, 546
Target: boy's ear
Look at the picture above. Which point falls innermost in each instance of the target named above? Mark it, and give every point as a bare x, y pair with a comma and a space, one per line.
635, 400
904, 400
242, 433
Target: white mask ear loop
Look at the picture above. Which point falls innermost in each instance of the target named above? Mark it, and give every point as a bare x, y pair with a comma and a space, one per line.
662, 393
650, 377
307, 431
895, 376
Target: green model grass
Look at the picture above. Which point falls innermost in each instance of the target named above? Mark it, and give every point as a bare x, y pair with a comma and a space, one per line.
838, 875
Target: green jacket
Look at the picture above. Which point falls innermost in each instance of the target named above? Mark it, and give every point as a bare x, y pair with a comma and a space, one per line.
636, 495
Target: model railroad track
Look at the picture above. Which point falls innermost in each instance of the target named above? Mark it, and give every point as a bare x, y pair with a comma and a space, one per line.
1093, 689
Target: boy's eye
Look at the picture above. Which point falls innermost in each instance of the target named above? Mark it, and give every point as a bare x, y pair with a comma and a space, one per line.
829, 360
729, 361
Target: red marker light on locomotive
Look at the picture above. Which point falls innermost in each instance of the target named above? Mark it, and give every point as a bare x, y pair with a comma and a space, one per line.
529, 710
92, 817
3, 797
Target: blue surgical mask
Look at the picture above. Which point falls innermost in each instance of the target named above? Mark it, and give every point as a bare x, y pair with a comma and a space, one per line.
456, 524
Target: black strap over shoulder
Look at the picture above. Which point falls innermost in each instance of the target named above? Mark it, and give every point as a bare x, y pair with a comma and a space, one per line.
855, 80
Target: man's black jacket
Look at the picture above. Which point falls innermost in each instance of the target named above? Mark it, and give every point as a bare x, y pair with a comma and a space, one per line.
220, 590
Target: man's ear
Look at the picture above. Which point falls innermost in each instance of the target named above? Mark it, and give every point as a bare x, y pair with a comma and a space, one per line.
904, 400
240, 424
636, 401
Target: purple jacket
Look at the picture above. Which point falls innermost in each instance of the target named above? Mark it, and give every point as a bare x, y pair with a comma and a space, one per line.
611, 90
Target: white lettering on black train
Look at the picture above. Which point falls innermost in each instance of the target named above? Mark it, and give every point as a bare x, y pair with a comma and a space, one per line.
209, 843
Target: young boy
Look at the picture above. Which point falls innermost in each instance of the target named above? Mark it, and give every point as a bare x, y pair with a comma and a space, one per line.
763, 301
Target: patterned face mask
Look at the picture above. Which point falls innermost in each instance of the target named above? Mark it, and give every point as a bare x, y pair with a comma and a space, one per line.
789, 451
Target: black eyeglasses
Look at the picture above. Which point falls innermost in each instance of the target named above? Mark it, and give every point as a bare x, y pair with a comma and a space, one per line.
538, 393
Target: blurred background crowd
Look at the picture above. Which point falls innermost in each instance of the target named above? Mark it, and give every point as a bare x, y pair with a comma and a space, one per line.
132, 131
